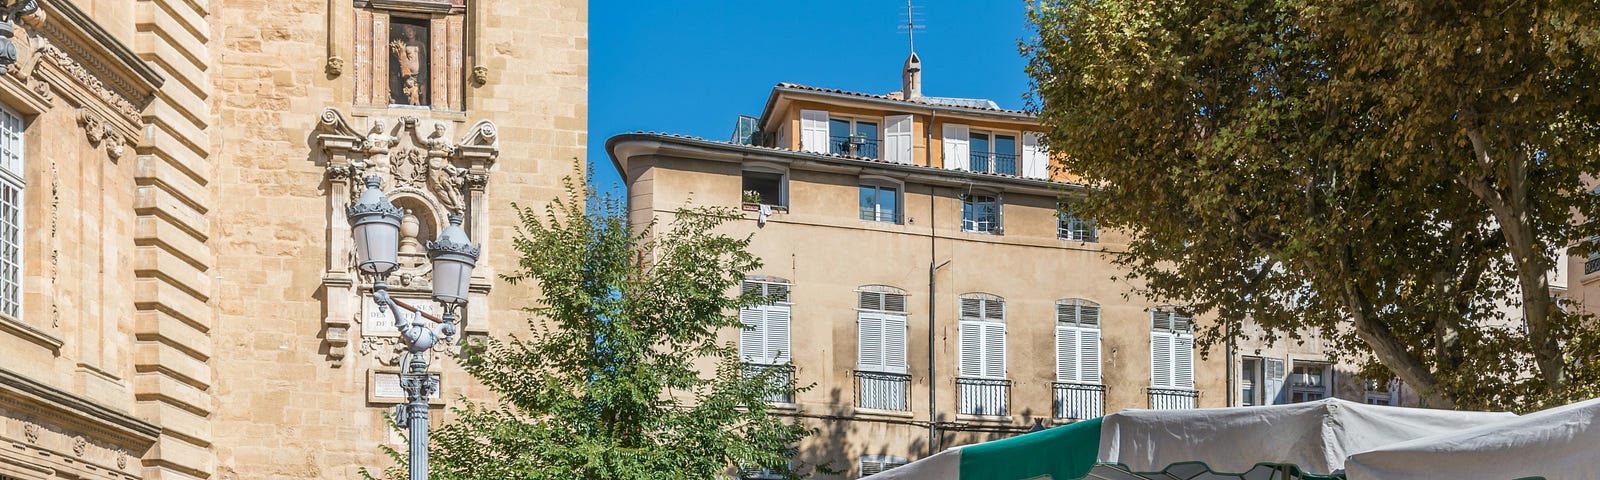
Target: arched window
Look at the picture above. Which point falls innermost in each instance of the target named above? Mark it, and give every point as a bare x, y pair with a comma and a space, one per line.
881, 327
983, 388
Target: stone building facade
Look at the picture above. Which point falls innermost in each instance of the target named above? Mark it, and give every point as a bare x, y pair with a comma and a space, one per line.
176, 296
934, 292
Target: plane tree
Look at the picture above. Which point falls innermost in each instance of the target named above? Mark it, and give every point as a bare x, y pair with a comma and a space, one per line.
1397, 177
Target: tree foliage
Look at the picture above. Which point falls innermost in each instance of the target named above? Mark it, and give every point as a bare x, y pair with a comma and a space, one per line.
610, 384
1397, 176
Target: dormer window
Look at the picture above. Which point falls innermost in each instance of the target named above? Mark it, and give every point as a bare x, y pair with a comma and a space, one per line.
994, 153
848, 136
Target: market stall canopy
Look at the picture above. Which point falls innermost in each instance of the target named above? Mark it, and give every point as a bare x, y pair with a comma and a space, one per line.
1559, 443
1304, 440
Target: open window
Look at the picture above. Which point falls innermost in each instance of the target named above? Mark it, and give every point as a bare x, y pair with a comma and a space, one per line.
765, 186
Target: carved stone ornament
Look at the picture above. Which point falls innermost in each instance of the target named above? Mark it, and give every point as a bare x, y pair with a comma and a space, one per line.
423, 168
79, 445
30, 431
100, 133
122, 459
480, 75
335, 66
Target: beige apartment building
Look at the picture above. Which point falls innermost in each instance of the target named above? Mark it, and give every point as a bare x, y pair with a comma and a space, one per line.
935, 293
176, 294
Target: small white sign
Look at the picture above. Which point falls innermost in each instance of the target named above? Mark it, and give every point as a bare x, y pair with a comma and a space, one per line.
387, 385
381, 321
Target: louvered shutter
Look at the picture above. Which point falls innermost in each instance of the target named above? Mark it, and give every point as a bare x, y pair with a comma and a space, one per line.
752, 338
956, 154
894, 303
1272, 369
1161, 359
971, 349
897, 138
869, 301
814, 131
1089, 359
994, 350
1183, 361
1035, 163
971, 308
1067, 353
778, 333
894, 343
871, 331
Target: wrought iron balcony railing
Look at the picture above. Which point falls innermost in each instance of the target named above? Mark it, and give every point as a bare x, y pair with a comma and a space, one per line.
983, 396
855, 146
1078, 401
1172, 398
781, 378
883, 391
1002, 163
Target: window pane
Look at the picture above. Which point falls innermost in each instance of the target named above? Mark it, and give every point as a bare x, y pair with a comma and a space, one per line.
979, 145
767, 188
869, 200
838, 128
888, 205
867, 129
1005, 144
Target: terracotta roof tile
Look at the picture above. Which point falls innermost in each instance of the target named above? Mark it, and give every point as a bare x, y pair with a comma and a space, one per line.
796, 86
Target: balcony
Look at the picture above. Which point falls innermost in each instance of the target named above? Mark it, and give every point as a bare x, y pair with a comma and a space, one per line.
876, 215
1001, 163
781, 377
883, 391
1172, 399
983, 396
1079, 401
854, 146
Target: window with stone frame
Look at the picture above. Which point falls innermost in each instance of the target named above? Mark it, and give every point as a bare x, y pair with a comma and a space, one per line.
409, 54
11, 218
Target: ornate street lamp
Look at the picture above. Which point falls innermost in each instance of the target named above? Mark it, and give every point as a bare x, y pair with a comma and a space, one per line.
10, 12
375, 223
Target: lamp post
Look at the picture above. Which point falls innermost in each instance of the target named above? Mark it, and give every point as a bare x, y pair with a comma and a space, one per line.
375, 223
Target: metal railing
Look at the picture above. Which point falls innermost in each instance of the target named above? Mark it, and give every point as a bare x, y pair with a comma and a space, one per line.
880, 216
883, 391
1172, 398
856, 146
782, 379
983, 396
980, 226
1002, 163
1078, 401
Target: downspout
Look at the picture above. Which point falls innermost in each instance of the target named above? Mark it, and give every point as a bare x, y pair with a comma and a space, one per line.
1227, 329
933, 271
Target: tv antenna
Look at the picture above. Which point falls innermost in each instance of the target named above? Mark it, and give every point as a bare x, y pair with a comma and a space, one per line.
911, 25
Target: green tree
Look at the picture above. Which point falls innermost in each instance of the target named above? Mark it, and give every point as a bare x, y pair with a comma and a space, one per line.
610, 384
1390, 174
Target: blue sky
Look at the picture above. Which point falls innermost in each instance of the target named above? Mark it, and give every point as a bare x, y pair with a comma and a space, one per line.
692, 67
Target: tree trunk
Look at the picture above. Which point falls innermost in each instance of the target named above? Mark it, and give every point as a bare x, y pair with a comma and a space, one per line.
1389, 350
1508, 201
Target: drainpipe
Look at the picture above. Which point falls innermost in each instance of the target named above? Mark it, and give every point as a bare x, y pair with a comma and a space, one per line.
933, 271
1227, 330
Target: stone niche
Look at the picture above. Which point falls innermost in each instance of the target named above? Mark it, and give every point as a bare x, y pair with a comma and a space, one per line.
409, 53
429, 175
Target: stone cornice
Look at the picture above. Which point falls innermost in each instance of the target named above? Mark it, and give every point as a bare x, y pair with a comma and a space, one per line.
85, 57
69, 408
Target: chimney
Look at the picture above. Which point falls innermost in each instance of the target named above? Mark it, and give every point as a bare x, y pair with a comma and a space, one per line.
911, 78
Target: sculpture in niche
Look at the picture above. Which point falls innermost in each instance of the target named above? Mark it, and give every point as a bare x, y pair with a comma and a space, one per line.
408, 61
424, 171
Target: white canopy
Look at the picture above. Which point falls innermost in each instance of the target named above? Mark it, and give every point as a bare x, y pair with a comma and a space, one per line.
1559, 443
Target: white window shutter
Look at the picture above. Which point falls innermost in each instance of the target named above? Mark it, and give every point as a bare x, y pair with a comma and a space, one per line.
778, 334
1089, 359
1066, 354
894, 343
956, 154
1161, 360
752, 338
870, 335
1183, 361
1035, 163
1272, 369
897, 138
994, 350
814, 131
971, 349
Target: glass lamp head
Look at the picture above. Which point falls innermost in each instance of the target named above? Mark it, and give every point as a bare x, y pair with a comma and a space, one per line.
375, 223
453, 256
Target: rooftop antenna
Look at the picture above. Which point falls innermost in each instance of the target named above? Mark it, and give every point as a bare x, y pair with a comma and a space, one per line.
911, 25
